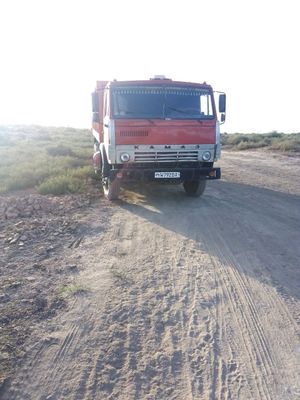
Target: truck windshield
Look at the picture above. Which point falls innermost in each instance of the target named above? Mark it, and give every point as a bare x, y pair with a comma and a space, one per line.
158, 102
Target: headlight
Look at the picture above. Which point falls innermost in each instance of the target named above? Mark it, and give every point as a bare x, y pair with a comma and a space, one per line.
206, 156
125, 157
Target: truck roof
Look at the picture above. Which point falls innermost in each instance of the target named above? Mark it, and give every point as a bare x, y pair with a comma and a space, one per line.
155, 82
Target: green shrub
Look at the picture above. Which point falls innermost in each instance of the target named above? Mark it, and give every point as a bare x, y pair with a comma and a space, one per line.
61, 184
272, 140
289, 144
274, 134
32, 155
250, 145
59, 151
72, 181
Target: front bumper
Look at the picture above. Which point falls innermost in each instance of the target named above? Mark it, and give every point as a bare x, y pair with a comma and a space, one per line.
148, 174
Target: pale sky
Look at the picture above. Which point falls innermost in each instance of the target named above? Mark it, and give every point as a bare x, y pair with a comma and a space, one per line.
52, 52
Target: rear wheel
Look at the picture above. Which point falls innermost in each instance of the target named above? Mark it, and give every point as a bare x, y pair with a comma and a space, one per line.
194, 188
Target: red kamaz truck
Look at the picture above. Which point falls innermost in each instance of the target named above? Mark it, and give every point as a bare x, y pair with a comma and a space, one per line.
156, 130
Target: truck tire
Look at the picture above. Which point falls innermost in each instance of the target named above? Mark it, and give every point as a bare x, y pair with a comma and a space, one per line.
111, 189
96, 145
194, 188
105, 166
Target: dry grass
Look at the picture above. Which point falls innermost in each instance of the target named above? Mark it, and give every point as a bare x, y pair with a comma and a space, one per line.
272, 140
72, 289
53, 160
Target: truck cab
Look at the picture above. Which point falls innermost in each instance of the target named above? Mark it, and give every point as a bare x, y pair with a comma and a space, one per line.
156, 130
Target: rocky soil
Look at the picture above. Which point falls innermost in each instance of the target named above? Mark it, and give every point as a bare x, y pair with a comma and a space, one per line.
37, 270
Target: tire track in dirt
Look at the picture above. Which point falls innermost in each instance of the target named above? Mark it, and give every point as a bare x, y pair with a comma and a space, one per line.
244, 298
162, 337
59, 358
217, 354
245, 323
193, 308
227, 372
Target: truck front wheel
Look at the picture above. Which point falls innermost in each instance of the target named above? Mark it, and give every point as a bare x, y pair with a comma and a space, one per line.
111, 189
194, 188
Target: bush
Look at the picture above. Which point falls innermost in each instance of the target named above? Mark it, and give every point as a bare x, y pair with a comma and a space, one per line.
61, 184
250, 145
289, 144
59, 151
272, 140
72, 181
56, 157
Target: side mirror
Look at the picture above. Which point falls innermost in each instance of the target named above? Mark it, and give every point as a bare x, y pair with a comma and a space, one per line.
222, 103
95, 102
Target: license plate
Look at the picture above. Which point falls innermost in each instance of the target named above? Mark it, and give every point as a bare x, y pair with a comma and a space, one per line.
167, 175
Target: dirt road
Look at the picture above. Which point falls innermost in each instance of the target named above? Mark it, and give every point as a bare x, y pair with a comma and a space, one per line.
183, 298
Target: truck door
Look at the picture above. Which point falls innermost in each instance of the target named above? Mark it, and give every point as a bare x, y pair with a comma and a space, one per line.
108, 129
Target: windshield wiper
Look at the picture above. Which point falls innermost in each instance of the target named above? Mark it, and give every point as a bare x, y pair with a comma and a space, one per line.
185, 112
177, 110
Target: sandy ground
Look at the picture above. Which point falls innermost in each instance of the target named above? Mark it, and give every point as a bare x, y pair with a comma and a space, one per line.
181, 298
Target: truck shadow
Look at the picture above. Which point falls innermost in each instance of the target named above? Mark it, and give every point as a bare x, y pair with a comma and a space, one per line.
255, 230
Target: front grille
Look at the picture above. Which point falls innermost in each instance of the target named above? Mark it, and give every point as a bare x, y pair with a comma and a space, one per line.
171, 165
134, 133
165, 156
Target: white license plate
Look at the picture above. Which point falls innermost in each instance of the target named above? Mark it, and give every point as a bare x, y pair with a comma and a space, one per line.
167, 175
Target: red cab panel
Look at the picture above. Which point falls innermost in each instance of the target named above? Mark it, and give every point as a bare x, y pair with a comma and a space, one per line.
165, 131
